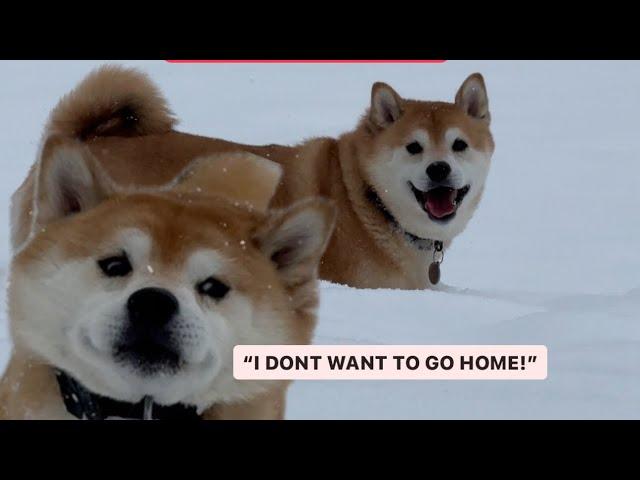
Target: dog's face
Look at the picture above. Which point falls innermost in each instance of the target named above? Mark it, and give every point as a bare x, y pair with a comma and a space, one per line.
147, 294
428, 161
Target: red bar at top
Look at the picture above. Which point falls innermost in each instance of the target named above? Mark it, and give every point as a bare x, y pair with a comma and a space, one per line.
306, 61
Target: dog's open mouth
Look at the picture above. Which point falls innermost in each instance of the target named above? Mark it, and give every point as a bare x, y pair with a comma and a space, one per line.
440, 203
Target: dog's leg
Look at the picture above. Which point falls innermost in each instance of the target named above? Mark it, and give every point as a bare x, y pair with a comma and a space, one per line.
269, 406
29, 391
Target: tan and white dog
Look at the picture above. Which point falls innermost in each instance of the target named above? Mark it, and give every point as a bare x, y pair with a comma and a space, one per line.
128, 302
411, 173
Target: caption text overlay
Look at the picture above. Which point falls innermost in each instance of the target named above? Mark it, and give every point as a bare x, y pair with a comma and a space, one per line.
393, 362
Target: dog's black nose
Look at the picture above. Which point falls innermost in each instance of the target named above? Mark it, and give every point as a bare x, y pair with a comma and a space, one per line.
152, 307
438, 171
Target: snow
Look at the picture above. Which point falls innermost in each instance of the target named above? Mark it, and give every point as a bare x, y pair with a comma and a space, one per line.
550, 258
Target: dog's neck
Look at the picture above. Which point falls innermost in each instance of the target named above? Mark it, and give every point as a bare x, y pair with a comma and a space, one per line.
422, 244
83, 404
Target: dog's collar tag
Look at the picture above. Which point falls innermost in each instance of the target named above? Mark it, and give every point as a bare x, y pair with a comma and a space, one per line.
423, 244
148, 408
434, 268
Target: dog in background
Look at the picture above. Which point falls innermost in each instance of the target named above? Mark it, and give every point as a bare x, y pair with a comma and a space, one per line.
408, 177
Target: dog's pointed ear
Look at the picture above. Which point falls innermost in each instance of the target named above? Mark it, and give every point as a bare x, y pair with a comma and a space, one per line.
295, 238
239, 176
68, 181
386, 105
473, 99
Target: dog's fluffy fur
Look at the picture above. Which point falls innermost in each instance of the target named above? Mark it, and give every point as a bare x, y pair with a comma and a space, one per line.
377, 185
212, 220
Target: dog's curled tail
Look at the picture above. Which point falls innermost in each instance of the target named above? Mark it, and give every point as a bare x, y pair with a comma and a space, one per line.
111, 101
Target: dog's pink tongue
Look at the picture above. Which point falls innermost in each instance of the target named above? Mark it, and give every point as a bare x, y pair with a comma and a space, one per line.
441, 202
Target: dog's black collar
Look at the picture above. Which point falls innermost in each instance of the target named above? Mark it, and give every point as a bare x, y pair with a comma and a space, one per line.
418, 242
83, 404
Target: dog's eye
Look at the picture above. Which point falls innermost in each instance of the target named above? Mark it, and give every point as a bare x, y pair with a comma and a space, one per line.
414, 148
117, 266
213, 288
459, 145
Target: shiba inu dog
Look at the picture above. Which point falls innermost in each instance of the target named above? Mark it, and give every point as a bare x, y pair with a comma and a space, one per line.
406, 180
127, 303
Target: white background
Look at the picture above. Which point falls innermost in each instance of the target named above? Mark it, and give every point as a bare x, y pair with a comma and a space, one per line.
550, 258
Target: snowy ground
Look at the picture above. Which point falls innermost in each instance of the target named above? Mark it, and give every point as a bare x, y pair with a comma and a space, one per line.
551, 257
